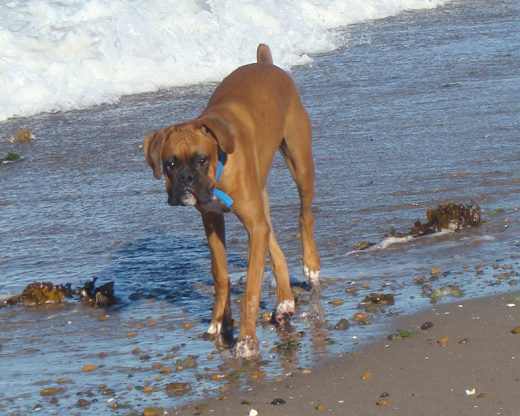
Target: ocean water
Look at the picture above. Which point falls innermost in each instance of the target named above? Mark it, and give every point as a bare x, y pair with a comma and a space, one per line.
412, 111
62, 55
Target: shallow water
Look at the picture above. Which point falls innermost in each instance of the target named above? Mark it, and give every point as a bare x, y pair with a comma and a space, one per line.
417, 110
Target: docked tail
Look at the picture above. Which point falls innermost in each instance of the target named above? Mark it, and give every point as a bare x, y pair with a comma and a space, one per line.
263, 54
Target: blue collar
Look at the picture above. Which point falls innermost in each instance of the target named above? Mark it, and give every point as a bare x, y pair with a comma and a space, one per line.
225, 198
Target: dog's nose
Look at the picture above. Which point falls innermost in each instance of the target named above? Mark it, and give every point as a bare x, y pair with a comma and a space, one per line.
186, 178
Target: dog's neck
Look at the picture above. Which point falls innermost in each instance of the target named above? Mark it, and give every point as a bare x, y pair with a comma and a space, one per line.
225, 198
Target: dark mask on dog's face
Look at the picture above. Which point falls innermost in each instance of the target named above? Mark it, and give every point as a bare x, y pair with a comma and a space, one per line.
189, 182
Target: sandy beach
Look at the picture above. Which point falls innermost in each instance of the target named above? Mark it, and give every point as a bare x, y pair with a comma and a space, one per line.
468, 363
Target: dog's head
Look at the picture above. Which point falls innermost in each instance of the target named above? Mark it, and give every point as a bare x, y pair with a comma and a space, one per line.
187, 155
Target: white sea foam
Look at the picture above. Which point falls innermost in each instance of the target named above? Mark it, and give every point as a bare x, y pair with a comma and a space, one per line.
69, 54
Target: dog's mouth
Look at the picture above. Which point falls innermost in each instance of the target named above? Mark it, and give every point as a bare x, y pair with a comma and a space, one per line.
188, 198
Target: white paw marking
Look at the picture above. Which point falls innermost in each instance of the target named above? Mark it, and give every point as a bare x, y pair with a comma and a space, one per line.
245, 348
214, 329
286, 307
312, 275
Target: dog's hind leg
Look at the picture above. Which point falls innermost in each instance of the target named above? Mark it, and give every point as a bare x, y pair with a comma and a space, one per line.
221, 322
285, 300
296, 150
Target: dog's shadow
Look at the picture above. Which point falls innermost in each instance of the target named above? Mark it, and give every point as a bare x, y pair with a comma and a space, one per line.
166, 268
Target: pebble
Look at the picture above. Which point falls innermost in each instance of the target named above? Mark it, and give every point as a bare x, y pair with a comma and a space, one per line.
90, 367
435, 271
267, 316
426, 325
366, 376
153, 411
383, 402
360, 315
48, 392
82, 403
443, 341
482, 395
278, 401
151, 322
320, 407
131, 334
172, 387
189, 325
516, 330
337, 302
253, 412
419, 280
342, 324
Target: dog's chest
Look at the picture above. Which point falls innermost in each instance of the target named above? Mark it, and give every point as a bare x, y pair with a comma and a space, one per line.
216, 205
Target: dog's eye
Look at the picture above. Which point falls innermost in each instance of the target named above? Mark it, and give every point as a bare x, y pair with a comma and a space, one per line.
170, 165
202, 162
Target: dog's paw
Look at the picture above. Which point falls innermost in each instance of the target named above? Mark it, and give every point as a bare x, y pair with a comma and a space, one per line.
284, 311
215, 329
246, 347
313, 276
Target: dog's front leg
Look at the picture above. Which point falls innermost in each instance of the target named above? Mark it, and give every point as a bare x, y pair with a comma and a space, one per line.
258, 230
221, 322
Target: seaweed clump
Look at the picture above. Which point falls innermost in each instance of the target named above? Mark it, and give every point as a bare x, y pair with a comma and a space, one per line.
446, 217
101, 296
451, 216
38, 293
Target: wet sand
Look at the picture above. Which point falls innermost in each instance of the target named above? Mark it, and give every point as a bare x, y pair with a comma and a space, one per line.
474, 373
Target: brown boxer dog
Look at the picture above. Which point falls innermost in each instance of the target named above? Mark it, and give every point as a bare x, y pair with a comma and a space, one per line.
219, 162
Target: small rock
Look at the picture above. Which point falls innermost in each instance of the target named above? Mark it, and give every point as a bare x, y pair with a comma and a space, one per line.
253, 412
278, 401
82, 403
337, 302
90, 367
48, 392
267, 316
360, 315
482, 395
153, 411
342, 324
320, 407
443, 341
426, 326
383, 402
516, 330
366, 376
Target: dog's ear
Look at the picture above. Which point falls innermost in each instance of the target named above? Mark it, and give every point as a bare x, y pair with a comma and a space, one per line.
224, 133
152, 151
